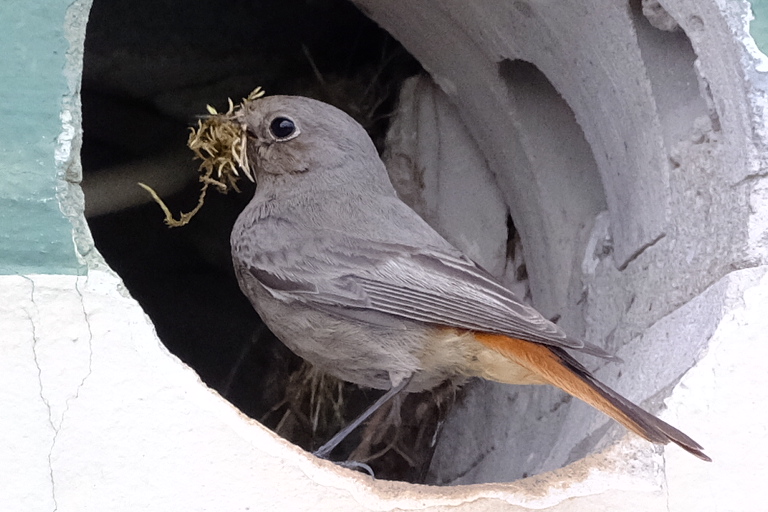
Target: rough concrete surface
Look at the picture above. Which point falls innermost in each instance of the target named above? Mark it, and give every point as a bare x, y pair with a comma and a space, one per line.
669, 119
630, 156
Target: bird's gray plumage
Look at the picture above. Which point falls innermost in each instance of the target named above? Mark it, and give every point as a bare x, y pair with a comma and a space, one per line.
355, 282
327, 234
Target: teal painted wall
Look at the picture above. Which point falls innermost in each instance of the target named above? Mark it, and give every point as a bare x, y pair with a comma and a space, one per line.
35, 237
758, 28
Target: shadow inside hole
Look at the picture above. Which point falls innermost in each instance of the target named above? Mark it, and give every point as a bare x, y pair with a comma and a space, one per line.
565, 183
682, 97
554, 180
150, 67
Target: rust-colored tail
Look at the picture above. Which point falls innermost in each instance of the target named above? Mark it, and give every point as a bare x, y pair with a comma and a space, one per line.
558, 368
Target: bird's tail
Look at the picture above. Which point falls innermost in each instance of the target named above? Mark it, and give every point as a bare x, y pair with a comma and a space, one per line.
556, 367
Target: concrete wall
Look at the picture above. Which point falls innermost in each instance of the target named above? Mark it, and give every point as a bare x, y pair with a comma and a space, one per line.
663, 262
627, 157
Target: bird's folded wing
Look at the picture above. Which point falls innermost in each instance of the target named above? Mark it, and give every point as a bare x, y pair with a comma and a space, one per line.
363, 279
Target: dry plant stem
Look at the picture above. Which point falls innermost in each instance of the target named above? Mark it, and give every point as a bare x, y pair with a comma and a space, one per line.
281, 424
374, 432
184, 218
220, 142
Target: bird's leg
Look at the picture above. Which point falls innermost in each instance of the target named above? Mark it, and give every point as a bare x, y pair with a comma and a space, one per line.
324, 451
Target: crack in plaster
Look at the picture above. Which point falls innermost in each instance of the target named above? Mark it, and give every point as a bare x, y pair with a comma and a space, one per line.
35, 356
80, 385
751, 178
33, 315
632, 257
90, 350
472, 465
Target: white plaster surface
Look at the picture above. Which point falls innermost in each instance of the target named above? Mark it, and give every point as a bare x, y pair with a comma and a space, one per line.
99, 416
724, 395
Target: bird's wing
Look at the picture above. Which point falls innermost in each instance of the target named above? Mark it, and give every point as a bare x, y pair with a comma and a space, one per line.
362, 279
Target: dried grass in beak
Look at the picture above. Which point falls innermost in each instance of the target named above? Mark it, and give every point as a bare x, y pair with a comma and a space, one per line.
220, 142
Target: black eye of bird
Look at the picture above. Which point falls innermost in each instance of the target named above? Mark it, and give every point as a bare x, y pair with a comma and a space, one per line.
283, 128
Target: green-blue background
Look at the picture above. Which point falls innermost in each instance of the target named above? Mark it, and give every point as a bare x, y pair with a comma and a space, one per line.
35, 237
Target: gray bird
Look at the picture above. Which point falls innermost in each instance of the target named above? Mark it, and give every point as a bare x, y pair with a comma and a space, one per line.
355, 282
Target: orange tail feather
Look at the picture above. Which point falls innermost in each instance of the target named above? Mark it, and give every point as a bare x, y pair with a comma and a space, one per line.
558, 368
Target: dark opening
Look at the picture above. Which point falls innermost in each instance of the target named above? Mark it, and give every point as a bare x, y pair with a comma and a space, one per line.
149, 68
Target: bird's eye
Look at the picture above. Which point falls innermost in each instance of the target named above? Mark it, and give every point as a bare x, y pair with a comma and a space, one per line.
283, 128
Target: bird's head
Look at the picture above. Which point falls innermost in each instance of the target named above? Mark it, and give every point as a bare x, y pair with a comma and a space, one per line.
300, 140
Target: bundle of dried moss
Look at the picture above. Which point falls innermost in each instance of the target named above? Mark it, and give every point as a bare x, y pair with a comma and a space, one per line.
219, 141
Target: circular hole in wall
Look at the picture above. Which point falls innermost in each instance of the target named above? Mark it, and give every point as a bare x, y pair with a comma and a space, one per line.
143, 87
149, 69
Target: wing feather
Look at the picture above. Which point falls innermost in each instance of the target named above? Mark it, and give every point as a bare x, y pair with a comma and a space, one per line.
419, 284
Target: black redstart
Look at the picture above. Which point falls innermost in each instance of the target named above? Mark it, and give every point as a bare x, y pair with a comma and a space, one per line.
355, 282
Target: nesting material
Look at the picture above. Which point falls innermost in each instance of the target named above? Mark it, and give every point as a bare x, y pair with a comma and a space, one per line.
219, 140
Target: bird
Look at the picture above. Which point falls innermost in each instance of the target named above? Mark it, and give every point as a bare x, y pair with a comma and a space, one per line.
351, 279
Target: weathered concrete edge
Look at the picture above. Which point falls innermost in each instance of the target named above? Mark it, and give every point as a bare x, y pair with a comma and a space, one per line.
79, 387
